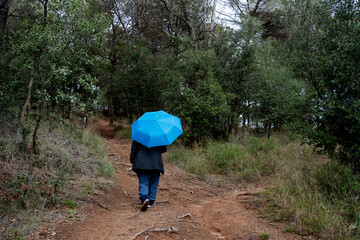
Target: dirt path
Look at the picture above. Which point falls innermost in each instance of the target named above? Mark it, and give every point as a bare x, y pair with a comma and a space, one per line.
186, 208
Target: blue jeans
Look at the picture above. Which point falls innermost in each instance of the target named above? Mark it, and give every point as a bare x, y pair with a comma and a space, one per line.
148, 185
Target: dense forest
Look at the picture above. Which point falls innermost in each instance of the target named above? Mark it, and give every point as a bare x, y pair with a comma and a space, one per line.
267, 66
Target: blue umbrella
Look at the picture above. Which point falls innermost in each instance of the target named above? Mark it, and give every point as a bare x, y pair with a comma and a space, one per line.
156, 129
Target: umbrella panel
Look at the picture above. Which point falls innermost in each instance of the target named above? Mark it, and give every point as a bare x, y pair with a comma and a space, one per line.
156, 129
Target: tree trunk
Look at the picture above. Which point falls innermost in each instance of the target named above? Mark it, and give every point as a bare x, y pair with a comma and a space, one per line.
4, 13
212, 23
269, 129
230, 127
32, 153
26, 104
111, 111
45, 4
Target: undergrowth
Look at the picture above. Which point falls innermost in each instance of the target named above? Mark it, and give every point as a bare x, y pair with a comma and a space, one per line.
312, 194
237, 161
67, 159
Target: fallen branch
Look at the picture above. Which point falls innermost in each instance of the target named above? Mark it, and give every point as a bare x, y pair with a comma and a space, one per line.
133, 215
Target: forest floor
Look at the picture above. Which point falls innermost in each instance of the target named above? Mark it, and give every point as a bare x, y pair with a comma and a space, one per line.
187, 208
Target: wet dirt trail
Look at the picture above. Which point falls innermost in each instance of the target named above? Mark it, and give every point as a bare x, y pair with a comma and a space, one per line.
186, 207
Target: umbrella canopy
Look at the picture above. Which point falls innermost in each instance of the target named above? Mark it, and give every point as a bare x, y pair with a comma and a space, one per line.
156, 129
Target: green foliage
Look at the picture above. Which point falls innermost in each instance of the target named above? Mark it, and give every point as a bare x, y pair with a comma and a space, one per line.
277, 95
200, 102
340, 120
72, 214
55, 55
16, 188
70, 204
235, 51
328, 59
38, 196
139, 80
264, 236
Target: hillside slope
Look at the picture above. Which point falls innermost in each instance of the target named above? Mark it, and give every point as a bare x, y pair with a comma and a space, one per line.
186, 207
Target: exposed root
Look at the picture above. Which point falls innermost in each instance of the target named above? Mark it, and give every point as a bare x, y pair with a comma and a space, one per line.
125, 164
133, 215
143, 231
150, 230
168, 230
114, 154
186, 215
92, 201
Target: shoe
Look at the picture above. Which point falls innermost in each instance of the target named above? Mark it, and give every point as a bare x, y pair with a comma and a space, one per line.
145, 205
151, 205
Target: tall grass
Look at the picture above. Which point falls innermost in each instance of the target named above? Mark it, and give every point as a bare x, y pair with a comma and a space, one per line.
231, 159
321, 199
311, 193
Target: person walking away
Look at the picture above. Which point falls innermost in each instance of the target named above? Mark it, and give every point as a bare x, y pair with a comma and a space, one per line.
147, 163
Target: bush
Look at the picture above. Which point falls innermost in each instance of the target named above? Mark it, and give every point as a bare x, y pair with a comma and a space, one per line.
200, 101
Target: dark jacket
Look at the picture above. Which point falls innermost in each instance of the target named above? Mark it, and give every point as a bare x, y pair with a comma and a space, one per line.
146, 159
